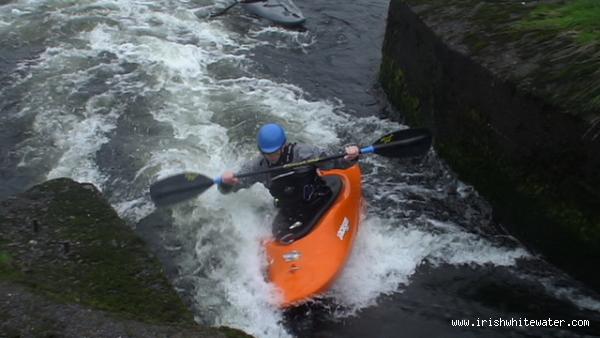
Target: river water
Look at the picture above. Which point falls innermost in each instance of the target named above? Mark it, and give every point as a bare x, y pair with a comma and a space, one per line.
121, 93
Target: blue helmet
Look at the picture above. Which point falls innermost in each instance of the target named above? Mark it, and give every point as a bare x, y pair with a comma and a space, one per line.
271, 137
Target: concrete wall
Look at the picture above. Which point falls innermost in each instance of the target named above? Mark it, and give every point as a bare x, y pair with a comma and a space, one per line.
537, 165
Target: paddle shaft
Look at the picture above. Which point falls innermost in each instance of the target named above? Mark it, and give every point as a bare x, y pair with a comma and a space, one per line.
366, 150
398, 144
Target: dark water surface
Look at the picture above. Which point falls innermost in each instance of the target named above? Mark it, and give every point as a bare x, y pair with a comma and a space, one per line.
119, 94
344, 63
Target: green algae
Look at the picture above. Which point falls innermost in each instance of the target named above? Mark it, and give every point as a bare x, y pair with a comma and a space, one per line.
61, 240
7, 266
7, 271
393, 79
549, 48
581, 17
557, 226
4, 258
542, 197
84, 253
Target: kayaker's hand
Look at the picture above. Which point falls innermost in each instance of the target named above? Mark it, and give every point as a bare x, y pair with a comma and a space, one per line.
228, 177
352, 153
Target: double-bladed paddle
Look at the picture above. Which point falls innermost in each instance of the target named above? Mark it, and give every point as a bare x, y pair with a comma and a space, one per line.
398, 144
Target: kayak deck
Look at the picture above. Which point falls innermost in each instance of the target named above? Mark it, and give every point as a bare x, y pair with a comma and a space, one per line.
308, 266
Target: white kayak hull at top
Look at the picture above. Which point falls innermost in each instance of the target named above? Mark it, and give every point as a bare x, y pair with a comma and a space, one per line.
283, 12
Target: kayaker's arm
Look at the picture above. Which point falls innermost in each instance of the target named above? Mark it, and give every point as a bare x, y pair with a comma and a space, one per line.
245, 182
302, 152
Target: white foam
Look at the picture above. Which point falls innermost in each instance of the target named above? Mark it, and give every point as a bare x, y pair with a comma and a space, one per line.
135, 209
580, 298
231, 257
173, 52
282, 38
388, 252
81, 142
66, 138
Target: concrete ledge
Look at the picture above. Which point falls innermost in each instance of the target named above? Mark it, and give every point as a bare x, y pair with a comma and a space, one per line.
450, 65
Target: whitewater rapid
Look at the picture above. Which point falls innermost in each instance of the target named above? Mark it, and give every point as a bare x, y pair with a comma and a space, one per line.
122, 93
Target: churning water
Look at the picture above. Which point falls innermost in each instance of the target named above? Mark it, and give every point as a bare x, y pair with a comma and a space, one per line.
122, 93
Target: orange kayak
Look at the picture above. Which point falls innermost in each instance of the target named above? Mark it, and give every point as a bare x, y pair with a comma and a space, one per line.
304, 265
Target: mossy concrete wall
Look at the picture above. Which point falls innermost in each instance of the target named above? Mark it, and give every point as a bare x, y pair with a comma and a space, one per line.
514, 109
70, 267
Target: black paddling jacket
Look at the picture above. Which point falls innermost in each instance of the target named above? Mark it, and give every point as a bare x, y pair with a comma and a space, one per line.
289, 187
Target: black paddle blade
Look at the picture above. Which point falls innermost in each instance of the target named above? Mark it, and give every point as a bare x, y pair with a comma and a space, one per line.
179, 188
404, 143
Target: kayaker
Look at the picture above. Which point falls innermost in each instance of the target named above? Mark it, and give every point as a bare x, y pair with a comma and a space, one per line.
298, 192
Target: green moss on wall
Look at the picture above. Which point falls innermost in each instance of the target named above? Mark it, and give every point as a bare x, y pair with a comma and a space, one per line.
7, 271
549, 48
558, 227
81, 251
581, 18
393, 81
